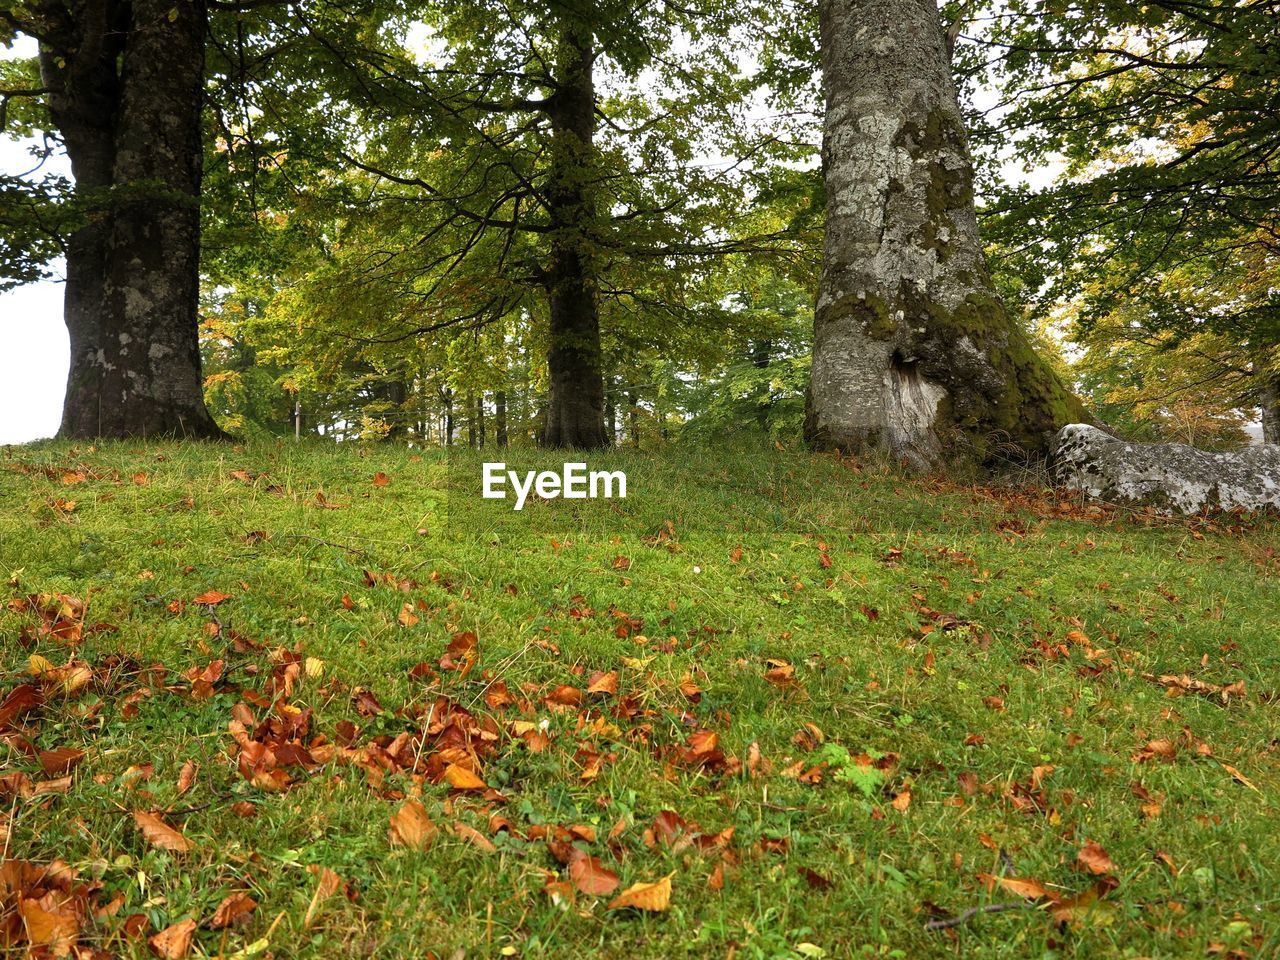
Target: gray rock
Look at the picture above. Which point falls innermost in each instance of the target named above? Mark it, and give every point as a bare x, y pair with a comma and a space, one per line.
1169, 476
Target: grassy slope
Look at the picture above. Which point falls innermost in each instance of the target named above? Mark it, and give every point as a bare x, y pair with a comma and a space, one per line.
1014, 572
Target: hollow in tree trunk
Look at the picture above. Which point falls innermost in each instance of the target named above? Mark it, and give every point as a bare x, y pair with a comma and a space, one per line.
575, 400
914, 353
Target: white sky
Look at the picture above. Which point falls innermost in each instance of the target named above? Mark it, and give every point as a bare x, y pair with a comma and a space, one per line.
34, 352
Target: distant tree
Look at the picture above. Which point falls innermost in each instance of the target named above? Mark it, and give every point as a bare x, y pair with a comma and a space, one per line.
540, 168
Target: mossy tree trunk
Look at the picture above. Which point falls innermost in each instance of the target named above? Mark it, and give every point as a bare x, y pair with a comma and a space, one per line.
78, 62
128, 92
914, 353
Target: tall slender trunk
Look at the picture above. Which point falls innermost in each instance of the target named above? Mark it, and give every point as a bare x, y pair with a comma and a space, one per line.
575, 401
633, 419
500, 417
913, 351
447, 396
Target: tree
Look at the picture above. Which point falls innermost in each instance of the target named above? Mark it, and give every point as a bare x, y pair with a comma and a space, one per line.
1160, 121
532, 166
914, 352
122, 84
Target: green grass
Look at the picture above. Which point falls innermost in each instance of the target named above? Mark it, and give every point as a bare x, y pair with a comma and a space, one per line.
963, 713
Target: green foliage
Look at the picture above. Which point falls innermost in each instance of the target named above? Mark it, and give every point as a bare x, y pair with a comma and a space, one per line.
389, 208
1024, 736
1159, 121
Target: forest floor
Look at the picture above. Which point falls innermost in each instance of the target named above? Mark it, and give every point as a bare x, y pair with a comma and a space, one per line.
306, 701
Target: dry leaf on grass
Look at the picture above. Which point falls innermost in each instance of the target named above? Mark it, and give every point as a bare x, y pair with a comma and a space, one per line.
160, 834
329, 884
173, 942
474, 837
1031, 889
186, 777
411, 827
60, 761
653, 897
460, 778
56, 931
232, 909
1096, 860
591, 876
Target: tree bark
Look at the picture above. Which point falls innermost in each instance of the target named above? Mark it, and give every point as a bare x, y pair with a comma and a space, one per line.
914, 353
633, 418
575, 401
129, 92
78, 62
1269, 399
395, 393
150, 351
500, 417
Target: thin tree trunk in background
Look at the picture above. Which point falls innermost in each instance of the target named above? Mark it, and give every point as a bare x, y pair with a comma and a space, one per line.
480, 418
575, 400
500, 417
471, 420
448, 416
633, 419
914, 353
396, 393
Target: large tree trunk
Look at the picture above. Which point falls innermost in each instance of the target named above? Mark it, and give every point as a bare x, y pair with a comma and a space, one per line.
78, 61
913, 351
150, 352
129, 91
575, 401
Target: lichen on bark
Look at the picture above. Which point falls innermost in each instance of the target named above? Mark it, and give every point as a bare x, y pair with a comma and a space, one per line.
913, 351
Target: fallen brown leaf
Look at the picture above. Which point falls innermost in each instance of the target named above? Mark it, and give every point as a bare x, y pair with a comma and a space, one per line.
1096, 860
1031, 889
652, 897
160, 834
173, 942
591, 876
232, 910
411, 827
